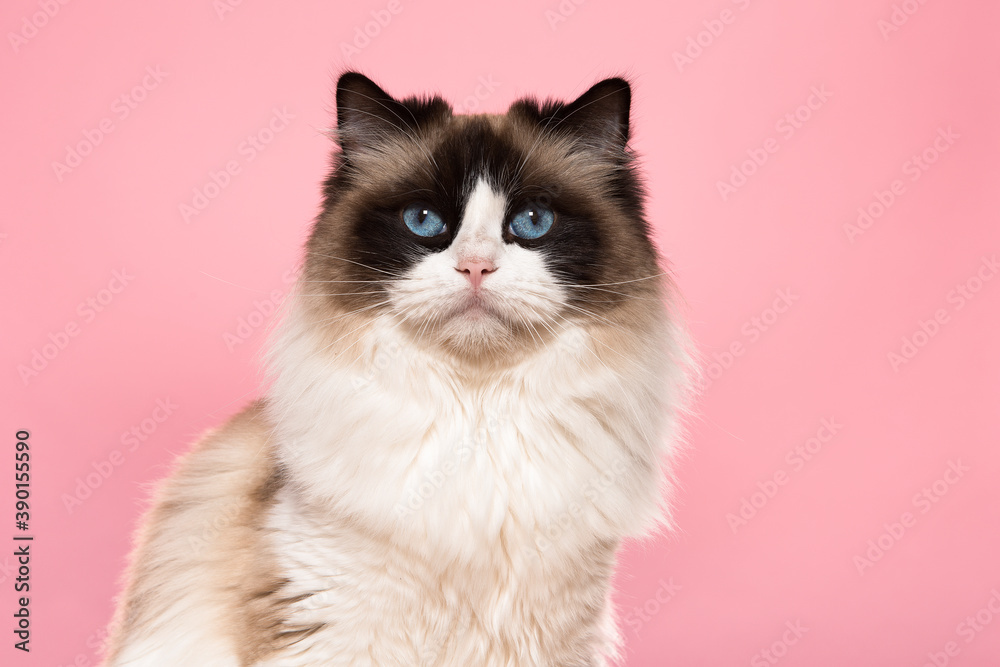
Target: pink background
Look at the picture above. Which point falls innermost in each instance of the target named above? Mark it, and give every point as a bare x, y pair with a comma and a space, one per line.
716, 592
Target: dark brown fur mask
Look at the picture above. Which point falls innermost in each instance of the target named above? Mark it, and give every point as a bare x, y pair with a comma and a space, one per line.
483, 234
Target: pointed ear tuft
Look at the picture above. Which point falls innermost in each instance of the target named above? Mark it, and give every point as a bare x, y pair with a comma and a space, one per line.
600, 116
366, 114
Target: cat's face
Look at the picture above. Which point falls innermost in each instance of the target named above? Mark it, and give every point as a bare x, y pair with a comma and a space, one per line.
482, 234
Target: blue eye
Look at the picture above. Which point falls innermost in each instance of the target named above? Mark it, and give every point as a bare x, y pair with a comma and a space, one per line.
423, 220
532, 222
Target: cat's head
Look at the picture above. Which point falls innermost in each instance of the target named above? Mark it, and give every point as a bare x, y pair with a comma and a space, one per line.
483, 234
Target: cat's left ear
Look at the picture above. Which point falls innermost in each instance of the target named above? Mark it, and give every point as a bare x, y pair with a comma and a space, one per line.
366, 114
600, 116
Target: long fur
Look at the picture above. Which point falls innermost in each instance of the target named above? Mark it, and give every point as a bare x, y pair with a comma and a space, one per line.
409, 493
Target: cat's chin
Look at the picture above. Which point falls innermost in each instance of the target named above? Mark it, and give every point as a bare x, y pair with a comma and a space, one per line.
476, 312
476, 331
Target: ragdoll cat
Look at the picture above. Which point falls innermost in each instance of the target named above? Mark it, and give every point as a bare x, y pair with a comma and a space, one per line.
473, 398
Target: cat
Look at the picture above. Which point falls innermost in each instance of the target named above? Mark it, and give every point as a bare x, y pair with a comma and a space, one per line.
474, 396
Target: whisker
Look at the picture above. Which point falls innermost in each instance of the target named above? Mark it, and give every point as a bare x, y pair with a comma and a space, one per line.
623, 282
344, 293
633, 297
341, 316
371, 268
249, 289
580, 309
379, 282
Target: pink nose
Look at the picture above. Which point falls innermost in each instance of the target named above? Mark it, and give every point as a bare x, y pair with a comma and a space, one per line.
475, 270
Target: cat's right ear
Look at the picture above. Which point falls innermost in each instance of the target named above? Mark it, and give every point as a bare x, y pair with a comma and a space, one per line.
366, 114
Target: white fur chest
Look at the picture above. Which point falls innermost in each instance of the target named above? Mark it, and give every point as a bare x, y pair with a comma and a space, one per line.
435, 521
359, 600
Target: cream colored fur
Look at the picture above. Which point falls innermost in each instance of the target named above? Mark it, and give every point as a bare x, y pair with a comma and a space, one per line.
426, 510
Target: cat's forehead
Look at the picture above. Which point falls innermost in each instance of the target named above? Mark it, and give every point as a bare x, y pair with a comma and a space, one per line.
507, 150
